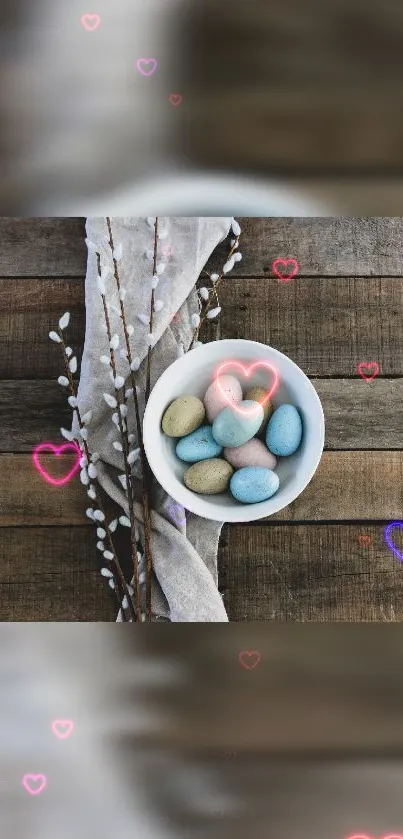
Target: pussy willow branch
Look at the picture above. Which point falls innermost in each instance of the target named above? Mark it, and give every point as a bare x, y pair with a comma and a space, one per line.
147, 394
122, 585
125, 447
208, 303
145, 502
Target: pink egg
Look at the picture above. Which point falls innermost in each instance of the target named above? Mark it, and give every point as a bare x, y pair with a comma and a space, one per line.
252, 453
215, 401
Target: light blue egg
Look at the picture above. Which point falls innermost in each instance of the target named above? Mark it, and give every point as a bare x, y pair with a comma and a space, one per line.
253, 484
233, 428
199, 445
284, 431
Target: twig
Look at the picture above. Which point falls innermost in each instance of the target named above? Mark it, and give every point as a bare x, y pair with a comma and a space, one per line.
144, 463
122, 585
207, 305
125, 448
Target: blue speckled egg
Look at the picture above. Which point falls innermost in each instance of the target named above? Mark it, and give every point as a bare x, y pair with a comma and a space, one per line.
233, 428
199, 445
284, 431
253, 484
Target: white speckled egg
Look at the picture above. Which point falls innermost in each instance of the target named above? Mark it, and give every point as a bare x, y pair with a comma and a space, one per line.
234, 426
183, 416
215, 401
209, 477
252, 453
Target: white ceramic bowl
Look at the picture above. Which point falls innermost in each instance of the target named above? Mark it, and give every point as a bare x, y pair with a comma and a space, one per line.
192, 374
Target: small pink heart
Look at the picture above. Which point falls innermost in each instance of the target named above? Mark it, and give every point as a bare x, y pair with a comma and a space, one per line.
282, 276
90, 22
62, 728
167, 250
146, 66
34, 784
365, 367
57, 450
175, 99
364, 540
247, 371
249, 659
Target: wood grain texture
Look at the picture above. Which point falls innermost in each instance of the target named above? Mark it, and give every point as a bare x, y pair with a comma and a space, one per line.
29, 309
358, 414
371, 482
325, 325
311, 573
341, 247
367, 246
47, 247
52, 574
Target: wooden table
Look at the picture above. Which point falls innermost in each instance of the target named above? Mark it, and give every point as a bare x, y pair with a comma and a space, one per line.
307, 562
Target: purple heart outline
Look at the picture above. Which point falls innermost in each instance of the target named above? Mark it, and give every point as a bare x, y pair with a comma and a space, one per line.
142, 61
389, 541
179, 518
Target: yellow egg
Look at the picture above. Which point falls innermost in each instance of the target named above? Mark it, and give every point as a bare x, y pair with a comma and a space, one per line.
258, 394
209, 477
183, 416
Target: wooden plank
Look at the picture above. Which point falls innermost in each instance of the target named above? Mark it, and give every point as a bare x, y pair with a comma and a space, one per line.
324, 247
326, 326
29, 309
52, 574
311, 573
369, 487
359, 246
48, 247
358, 414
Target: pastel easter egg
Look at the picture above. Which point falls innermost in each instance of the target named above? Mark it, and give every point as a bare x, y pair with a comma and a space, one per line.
199, 445
259, 394
209, 477
232, 428
252, 453
284, 431
217, 399
183, 416
254, 484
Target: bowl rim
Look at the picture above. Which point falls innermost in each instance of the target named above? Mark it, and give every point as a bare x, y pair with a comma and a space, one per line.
245, 512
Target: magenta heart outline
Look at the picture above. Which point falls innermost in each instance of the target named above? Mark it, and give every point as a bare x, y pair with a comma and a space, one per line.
33, 778
284, 261
56, 450
365, 365
141, 61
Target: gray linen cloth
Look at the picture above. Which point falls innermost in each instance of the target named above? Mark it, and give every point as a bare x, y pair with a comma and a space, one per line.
184, 586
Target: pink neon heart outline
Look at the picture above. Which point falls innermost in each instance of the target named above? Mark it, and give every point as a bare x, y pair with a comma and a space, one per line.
281, 277
365, 836
367, 364
178, 97
248, 666
62, 735
247, 412
57, 450
85, 21
140, 61
28, 777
